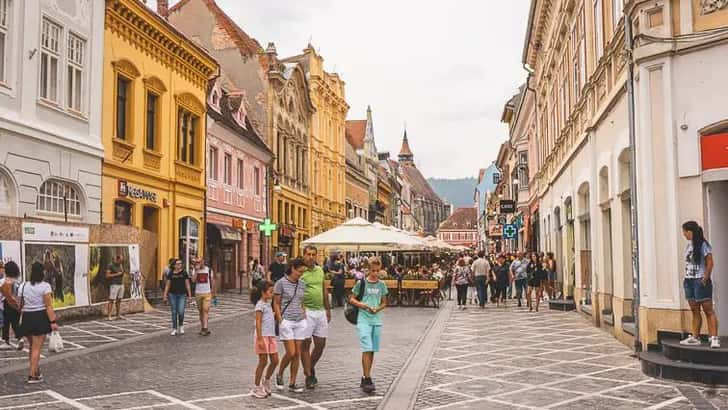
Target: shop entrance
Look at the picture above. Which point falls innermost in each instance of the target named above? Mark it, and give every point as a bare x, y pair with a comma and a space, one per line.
150, 222
717, 234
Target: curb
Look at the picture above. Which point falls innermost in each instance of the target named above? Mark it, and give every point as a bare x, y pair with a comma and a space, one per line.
50, 359
402, 393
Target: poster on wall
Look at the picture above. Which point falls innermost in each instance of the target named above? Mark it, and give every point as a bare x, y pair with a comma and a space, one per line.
62, 251
10, 251
101, 257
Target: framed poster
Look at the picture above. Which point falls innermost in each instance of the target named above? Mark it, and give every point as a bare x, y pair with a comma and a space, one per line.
101, 257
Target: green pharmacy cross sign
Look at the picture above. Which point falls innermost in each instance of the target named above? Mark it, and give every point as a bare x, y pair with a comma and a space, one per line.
268, 227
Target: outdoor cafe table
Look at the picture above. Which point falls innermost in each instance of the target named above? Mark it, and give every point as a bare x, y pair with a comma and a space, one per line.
407, 292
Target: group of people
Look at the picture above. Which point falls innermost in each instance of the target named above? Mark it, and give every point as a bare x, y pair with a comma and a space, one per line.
527, 273
179, 286
295, 309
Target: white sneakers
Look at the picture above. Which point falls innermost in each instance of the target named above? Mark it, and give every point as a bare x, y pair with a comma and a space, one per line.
259, 392
713, 342
174, 332
181, 330
690, 341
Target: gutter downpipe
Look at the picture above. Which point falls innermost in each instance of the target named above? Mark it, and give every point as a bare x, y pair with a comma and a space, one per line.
629, 47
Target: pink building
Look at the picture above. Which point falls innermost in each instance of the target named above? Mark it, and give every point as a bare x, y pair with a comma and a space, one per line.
237, 193
461, 228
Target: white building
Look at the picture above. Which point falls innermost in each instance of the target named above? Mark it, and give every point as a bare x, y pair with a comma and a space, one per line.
50, 108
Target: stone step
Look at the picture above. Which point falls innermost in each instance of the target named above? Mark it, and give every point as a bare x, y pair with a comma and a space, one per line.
562, 304
658, 366
702, 354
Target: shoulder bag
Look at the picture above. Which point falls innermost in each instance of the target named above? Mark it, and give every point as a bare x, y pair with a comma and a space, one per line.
351, 312
278, 330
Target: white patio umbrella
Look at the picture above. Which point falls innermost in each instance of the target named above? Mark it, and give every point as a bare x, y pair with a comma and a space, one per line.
406, 241
357, 235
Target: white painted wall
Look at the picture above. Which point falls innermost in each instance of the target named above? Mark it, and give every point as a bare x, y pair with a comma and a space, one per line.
40, 141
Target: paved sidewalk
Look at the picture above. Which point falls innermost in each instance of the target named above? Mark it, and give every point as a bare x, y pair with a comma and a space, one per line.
508, 358
96, 332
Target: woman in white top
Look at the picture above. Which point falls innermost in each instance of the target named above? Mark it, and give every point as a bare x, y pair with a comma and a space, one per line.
38, 318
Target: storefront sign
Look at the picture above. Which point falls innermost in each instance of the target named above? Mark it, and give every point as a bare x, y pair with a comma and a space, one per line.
127, 190
238, 223
507, 206
495, 230
39, 232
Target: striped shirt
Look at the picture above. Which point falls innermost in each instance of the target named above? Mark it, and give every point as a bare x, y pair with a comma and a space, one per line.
292, 296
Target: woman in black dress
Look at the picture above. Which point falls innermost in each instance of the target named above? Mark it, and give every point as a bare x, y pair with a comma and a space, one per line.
537, 275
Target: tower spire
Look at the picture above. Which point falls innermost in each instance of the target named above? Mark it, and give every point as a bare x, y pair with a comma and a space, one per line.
405, 153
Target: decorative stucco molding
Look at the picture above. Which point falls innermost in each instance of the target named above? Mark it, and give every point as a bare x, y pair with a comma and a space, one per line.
711, 6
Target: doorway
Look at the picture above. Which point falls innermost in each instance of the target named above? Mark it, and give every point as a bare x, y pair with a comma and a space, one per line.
718, 237
150, 222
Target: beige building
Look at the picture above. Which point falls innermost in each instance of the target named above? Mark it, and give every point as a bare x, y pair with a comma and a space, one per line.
327, 144
580, 74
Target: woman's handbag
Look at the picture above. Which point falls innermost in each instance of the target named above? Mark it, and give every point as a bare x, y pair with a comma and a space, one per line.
55, 342
278, 331
351, 312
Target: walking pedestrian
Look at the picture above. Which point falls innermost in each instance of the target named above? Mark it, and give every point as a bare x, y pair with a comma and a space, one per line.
288, 294
519, 270
257, 274
536, 277
698, 284
11, 304
338, 281
318, 315
38, 317
503, 278
551, 271
461, 279
369, 322
277, 269
266, 346
115, 277
176, 291
481, 268
203, 278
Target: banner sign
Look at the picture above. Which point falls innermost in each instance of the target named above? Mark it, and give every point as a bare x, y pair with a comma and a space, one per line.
39, 232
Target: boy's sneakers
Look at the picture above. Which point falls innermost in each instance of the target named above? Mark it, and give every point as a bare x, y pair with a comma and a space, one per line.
181, 330
174, 332
259, 392
690, 341
279, 383
294, 388
367, 385
714, 342
266, 387
35, 379
205, 332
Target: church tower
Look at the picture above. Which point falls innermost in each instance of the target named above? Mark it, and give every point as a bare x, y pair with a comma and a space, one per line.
405, 153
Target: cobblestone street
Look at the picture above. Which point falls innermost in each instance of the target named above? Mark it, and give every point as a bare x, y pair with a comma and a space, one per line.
483, 359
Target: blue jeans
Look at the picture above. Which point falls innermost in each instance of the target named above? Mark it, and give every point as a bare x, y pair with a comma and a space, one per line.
695, 291
480, 286
177, 307
520, 287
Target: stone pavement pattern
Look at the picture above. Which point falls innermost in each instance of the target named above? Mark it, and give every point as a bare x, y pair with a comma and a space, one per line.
510, 358
91, 333
212, 372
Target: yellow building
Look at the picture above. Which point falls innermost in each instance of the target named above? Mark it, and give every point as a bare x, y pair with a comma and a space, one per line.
289, 112
326, 148
155, 82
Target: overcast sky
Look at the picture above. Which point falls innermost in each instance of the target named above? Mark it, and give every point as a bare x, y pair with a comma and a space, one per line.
444, 68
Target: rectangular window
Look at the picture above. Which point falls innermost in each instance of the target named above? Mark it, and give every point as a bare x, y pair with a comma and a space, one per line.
76, 54
187, 130
152, 109
122, 107
616, 13
598, 31
256, 180
50, 44
241, 174
228, 169
4, 27
523, 170
212, 164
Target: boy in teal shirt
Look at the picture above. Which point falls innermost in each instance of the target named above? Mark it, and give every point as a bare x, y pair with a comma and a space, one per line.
369, 322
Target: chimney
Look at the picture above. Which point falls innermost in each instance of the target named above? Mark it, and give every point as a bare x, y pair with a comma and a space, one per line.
163, 8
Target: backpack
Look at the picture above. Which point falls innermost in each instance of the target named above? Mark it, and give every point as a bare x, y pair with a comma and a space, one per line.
351, 312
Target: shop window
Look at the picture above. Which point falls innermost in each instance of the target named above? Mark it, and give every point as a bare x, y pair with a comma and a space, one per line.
187, 136
58, 197
152, 121
122, 213
189, 239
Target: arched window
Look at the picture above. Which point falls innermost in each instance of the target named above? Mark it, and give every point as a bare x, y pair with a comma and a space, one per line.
58, 197
7, 195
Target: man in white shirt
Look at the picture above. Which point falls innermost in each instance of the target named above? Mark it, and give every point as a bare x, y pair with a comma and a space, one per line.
203, 279
481, 269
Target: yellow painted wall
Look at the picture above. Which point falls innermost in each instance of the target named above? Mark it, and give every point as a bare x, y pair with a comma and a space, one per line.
179, 78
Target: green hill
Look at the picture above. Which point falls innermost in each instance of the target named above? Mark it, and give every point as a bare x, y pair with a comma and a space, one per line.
458, 192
